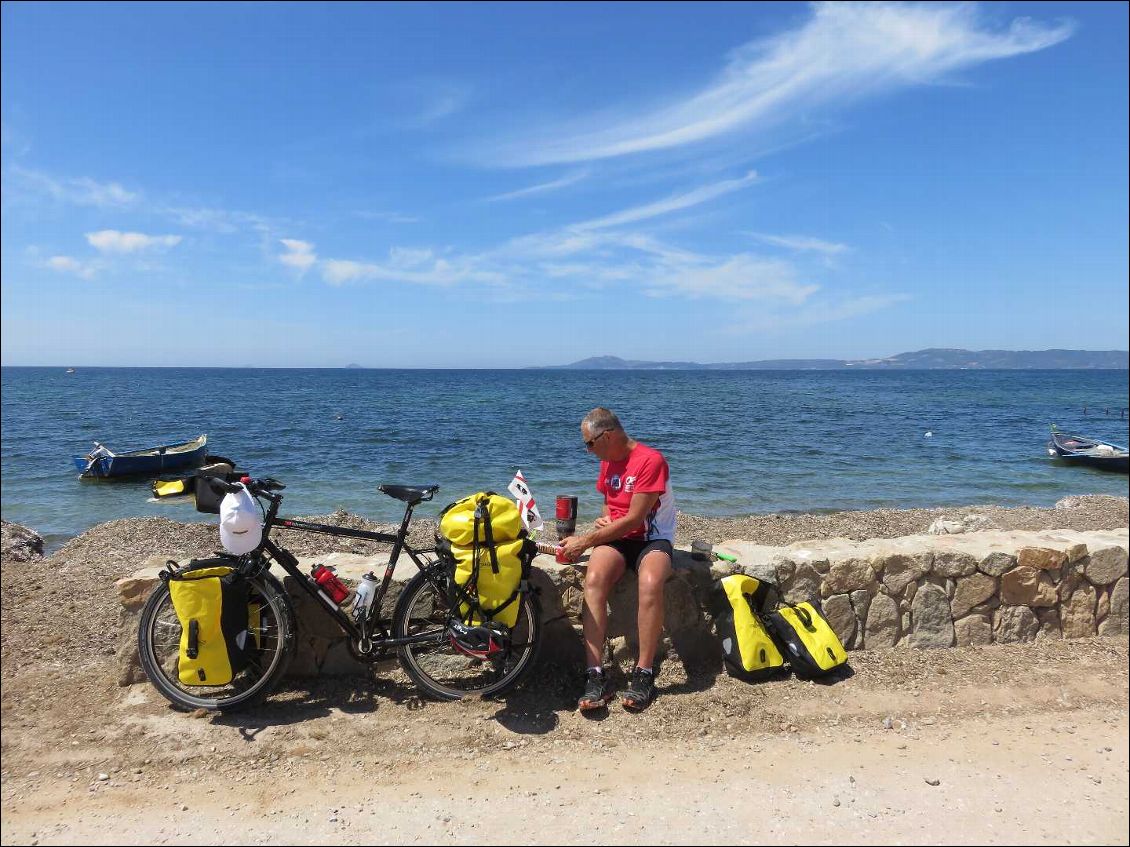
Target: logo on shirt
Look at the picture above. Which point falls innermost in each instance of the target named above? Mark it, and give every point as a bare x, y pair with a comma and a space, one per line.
614, 482
629, 483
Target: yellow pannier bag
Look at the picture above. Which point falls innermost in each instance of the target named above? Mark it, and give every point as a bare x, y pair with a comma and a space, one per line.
211, 604
807, 639
457, 521
495, 595
748, 649
485, 544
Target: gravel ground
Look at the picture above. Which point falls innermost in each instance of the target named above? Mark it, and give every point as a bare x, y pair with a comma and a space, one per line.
903, 739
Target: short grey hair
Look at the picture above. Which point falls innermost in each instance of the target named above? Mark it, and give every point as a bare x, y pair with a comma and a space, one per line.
601, 420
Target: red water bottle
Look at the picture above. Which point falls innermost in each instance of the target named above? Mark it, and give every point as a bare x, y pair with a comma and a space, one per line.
329, 583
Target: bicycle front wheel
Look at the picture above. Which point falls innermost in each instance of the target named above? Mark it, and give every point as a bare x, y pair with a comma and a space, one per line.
272, 627
442, 671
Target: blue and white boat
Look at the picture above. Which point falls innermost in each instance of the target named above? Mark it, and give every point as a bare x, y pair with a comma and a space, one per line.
103, 463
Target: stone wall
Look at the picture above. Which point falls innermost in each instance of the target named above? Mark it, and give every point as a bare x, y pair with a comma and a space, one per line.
916, 591
956, 590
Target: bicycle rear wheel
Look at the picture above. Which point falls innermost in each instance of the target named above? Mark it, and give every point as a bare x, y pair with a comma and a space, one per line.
158, 647
442, 671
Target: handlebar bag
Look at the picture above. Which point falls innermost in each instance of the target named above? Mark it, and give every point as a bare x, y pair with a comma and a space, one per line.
748, 650
208, 499
806, 639
484, 543
212, 605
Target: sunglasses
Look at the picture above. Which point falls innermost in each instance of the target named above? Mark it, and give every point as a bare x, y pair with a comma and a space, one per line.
590, 442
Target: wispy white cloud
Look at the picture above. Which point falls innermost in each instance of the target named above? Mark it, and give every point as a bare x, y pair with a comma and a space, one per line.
598, 260
71, 265
422, 102
298, 254
413, 266
675, 203
593, 255
802, 243
27, 185
844, 52
12, 142
441, 107
81, 191
388, 217
540, 188
817, 312
113, 241
225, 221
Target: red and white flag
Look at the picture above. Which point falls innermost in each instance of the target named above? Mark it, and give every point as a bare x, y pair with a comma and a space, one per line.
528, 507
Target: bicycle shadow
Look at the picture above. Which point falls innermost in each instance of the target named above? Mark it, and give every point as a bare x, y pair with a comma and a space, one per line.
299, 701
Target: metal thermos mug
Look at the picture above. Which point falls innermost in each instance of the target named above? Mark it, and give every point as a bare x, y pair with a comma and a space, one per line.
703, 551
566, 516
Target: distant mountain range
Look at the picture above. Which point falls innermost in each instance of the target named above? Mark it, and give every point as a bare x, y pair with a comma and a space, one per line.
932, 359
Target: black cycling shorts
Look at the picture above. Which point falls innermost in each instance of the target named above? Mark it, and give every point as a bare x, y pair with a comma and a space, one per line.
634, 549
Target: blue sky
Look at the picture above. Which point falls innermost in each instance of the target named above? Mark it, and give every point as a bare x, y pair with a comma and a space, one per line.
483, 185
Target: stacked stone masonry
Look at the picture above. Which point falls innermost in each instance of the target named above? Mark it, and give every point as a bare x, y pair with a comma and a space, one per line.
921, 591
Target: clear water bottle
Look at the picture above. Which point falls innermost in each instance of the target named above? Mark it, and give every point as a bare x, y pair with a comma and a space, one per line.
363, 599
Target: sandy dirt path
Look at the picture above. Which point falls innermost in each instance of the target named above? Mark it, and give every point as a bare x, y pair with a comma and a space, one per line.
996, 745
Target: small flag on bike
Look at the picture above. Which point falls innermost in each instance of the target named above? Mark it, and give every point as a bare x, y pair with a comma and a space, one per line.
528, 507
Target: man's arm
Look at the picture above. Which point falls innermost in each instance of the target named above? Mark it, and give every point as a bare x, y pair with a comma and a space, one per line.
642, 503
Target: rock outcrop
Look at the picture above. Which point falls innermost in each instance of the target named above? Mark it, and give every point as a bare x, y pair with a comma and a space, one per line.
18, 543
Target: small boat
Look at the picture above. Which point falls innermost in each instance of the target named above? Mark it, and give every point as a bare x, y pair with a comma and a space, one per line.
70, 370
103, 463
1079, 450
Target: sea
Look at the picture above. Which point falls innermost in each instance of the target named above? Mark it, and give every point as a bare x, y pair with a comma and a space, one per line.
737, 442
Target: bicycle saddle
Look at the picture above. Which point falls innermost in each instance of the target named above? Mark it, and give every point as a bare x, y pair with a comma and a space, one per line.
412, 494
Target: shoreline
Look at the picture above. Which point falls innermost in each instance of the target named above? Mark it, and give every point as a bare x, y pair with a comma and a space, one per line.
1084, 512
887, 521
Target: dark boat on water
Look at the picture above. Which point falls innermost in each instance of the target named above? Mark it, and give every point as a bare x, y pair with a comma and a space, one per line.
103, 463
1078, 450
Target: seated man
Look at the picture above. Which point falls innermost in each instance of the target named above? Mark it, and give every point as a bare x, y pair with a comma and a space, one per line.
637, 531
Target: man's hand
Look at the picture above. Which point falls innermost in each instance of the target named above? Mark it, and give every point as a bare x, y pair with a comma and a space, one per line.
603, 520
573, 547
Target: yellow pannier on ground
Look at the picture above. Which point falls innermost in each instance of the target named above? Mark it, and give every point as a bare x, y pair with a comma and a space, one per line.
748, 649
807, 639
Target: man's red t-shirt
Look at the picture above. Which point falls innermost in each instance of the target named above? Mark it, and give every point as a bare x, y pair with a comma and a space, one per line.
643, 472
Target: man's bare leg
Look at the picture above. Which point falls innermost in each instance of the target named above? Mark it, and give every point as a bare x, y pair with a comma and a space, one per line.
605, 568
654, 570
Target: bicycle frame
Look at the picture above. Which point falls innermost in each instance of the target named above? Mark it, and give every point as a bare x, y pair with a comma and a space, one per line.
364, 644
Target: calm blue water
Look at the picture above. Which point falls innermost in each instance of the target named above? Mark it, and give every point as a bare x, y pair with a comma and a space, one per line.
738, 442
